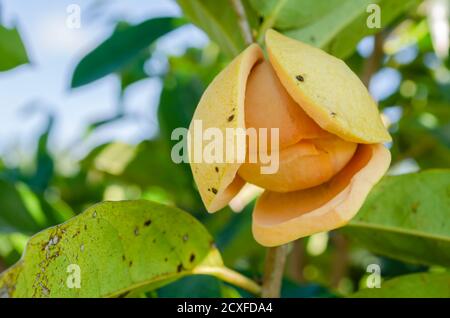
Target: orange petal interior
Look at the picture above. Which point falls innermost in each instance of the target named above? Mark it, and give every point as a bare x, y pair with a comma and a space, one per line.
306, 164
268, 105
308, 155
279, 218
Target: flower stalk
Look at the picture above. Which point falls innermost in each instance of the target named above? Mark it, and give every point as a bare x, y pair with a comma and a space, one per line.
273, 271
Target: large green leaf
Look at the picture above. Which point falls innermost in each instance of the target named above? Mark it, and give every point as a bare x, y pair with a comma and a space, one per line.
423, 285
340, 29
219, 20
125, 44
407, 217
12, 50
118, 246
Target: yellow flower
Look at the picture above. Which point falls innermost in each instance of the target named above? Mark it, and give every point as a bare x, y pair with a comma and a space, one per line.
328, 139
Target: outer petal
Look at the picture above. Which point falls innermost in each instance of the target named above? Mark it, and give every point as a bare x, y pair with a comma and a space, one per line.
279, 218
327, 89
222, 107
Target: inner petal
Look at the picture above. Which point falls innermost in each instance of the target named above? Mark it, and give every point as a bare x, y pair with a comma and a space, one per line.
306, 164
268, 105
279, 218
308, 155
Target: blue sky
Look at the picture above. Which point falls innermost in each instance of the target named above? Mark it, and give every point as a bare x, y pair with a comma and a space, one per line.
54, 50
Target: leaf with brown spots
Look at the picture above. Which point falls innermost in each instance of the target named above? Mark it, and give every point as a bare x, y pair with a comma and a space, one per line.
115, 257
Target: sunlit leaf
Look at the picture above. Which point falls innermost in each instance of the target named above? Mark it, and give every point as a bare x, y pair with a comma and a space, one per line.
292, 14
219, 20
12, 50
340, 29
118, 247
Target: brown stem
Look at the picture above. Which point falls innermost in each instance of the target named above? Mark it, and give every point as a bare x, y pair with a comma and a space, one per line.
273, 271
297, 261
339, 259
373, 62
243, 21
2, 266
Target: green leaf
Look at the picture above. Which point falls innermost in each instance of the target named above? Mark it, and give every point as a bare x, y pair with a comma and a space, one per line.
292, 14
118, 246
429, 147
423, 285
24, 211
12, 50
218, 19
407, 217
15, 208
306, 290
133, 71
130, 164
344, 25
44, 171
235, 239
125, 44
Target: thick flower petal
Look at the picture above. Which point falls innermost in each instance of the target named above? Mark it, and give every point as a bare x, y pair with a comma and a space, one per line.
279, 218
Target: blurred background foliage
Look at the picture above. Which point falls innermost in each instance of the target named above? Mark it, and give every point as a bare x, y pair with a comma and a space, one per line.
405, 64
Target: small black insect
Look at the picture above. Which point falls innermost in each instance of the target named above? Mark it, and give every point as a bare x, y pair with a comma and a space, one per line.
300, 78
